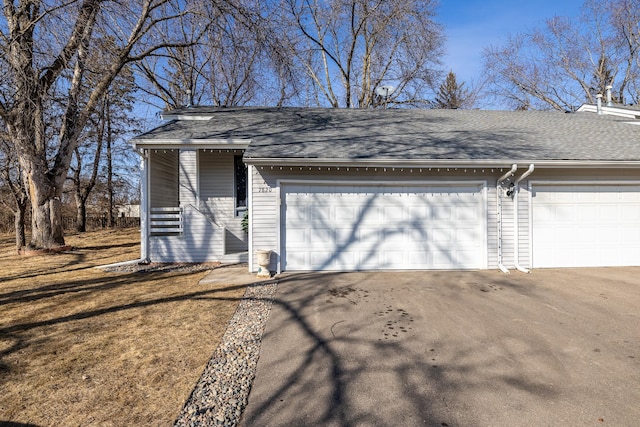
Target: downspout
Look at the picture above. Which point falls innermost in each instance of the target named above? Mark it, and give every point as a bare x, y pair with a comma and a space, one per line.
512, 171
516, 222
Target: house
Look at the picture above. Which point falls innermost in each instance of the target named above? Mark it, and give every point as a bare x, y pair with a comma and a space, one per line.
128, 211
338, 189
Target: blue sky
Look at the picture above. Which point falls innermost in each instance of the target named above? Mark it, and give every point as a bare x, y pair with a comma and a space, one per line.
471, 25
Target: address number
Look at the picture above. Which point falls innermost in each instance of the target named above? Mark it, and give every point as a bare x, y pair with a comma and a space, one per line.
265, 189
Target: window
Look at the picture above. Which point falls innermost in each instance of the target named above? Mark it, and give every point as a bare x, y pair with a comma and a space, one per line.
240, 183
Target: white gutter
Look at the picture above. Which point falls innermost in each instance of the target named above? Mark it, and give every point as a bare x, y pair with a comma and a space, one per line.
433, 163
516, 243
209, 143
512, 171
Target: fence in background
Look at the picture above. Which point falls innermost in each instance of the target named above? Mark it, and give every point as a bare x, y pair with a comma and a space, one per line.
69, 224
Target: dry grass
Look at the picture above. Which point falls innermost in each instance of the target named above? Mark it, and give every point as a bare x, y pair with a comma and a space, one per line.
79, 346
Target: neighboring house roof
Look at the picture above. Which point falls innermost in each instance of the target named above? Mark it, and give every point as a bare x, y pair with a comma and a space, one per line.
626, 111
340, 136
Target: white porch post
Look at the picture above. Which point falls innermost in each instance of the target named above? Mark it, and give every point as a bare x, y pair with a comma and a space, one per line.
250, 210
144, 206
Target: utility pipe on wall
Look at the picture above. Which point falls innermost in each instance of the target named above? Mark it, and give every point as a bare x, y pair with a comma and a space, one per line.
512, 171
516, 242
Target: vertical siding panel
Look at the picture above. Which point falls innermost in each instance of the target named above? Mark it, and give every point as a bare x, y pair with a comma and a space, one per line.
264, 208
163, 178
188, 177
508, 231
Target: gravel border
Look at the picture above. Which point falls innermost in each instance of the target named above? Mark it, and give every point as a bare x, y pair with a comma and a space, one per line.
222, 392
154, 267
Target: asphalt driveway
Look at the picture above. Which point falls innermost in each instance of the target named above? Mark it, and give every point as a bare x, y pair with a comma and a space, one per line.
481, 348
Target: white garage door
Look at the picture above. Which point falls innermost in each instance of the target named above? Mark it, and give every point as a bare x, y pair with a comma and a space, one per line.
586, 225
366, 227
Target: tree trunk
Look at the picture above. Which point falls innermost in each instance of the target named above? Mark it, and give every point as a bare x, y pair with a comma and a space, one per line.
46, 216
81, 213
110, 218
20, 213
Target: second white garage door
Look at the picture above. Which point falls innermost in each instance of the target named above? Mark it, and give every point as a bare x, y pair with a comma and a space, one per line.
586, 225
376, 227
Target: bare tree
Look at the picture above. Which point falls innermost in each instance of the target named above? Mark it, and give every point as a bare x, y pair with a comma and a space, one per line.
349, 48
569, 61
45, 46
101, 131
84, 185
11, 178
237, 61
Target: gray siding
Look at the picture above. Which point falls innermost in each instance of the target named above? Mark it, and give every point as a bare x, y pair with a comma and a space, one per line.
492, 224
201, 241
507, 231
163, 174
204, 237
265, 202
188, 177
264, 216
217, 196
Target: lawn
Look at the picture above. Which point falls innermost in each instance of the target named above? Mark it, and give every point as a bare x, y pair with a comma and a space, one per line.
80, 346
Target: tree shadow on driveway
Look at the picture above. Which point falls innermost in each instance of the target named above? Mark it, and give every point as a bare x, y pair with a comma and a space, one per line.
440, 348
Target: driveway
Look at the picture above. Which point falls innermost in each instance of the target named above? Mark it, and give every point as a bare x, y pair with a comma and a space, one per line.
480, 348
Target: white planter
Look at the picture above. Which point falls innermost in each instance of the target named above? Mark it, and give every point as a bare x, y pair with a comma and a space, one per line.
264, 260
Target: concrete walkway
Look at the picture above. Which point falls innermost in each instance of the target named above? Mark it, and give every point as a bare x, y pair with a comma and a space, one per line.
555, 347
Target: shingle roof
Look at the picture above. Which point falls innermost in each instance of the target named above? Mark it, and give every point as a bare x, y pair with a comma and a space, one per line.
394, 134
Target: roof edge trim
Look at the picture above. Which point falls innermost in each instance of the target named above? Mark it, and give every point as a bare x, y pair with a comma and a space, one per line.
195, 116
226, 143
440, 162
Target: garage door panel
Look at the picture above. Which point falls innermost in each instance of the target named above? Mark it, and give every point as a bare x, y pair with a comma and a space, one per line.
323, 235
370, 239
467, 236
440, 212
444, 259
418, 212
630, 213
466, 213
297, 237
393, 257
393, 213
586, 225
378, 227
442, 235
346, 213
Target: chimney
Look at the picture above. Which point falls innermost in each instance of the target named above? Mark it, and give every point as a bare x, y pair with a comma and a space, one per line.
609, 102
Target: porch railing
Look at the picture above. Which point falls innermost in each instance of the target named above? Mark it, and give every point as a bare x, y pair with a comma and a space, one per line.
166, 221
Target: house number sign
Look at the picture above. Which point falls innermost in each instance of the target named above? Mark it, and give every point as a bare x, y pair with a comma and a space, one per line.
265, 189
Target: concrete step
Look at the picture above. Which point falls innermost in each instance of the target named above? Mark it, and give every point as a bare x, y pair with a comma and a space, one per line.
235, 258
